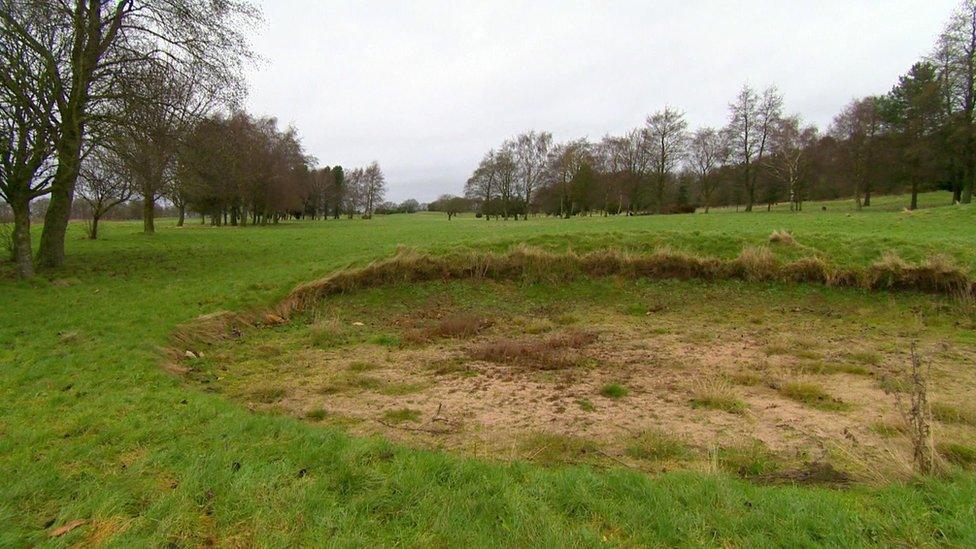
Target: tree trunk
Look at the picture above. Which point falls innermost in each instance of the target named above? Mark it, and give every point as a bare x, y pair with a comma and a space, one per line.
22, 238
867, 196
914, 204
148, 216
182, 219
967, 193
51, 252
93, 230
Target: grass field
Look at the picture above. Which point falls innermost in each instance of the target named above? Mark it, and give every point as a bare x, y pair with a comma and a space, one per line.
91, 428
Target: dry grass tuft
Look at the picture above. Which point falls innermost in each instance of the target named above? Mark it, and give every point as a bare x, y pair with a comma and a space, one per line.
717, 394
782, 237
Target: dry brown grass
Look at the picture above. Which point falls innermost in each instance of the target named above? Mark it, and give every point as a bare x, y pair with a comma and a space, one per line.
460, 325
937, 274
551, 353
782, 237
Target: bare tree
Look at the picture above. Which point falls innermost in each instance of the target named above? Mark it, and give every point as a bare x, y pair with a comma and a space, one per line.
373, 188
104, 184
27, 128
531, 151
751, 122
161, 107
708, 151
791, 143
93, 42
666, 137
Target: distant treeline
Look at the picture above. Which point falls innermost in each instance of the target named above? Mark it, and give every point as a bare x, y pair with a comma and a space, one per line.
921, 135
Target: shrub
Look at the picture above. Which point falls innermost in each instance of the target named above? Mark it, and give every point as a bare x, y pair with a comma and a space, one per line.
586, 405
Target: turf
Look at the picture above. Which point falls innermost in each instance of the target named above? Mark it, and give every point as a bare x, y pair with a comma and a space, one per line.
91, 428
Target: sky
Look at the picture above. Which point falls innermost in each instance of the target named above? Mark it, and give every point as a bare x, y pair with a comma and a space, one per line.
426, 88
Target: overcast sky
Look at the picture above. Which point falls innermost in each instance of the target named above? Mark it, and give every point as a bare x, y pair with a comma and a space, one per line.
426, 88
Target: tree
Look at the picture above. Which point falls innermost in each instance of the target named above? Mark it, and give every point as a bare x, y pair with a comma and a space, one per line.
751, 121
160, 107
857, 129
788, 163
665, 135
27, 129
481, 185
104, 185
956, 50
409, 206
707, 152
912, 110
565, 161
530, 153
373, 186
338, 190
87, 48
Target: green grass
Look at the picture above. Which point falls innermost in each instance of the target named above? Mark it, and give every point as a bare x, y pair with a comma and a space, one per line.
614, 391
812, 395
950, 413
401, 415
91, 428
655, 445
